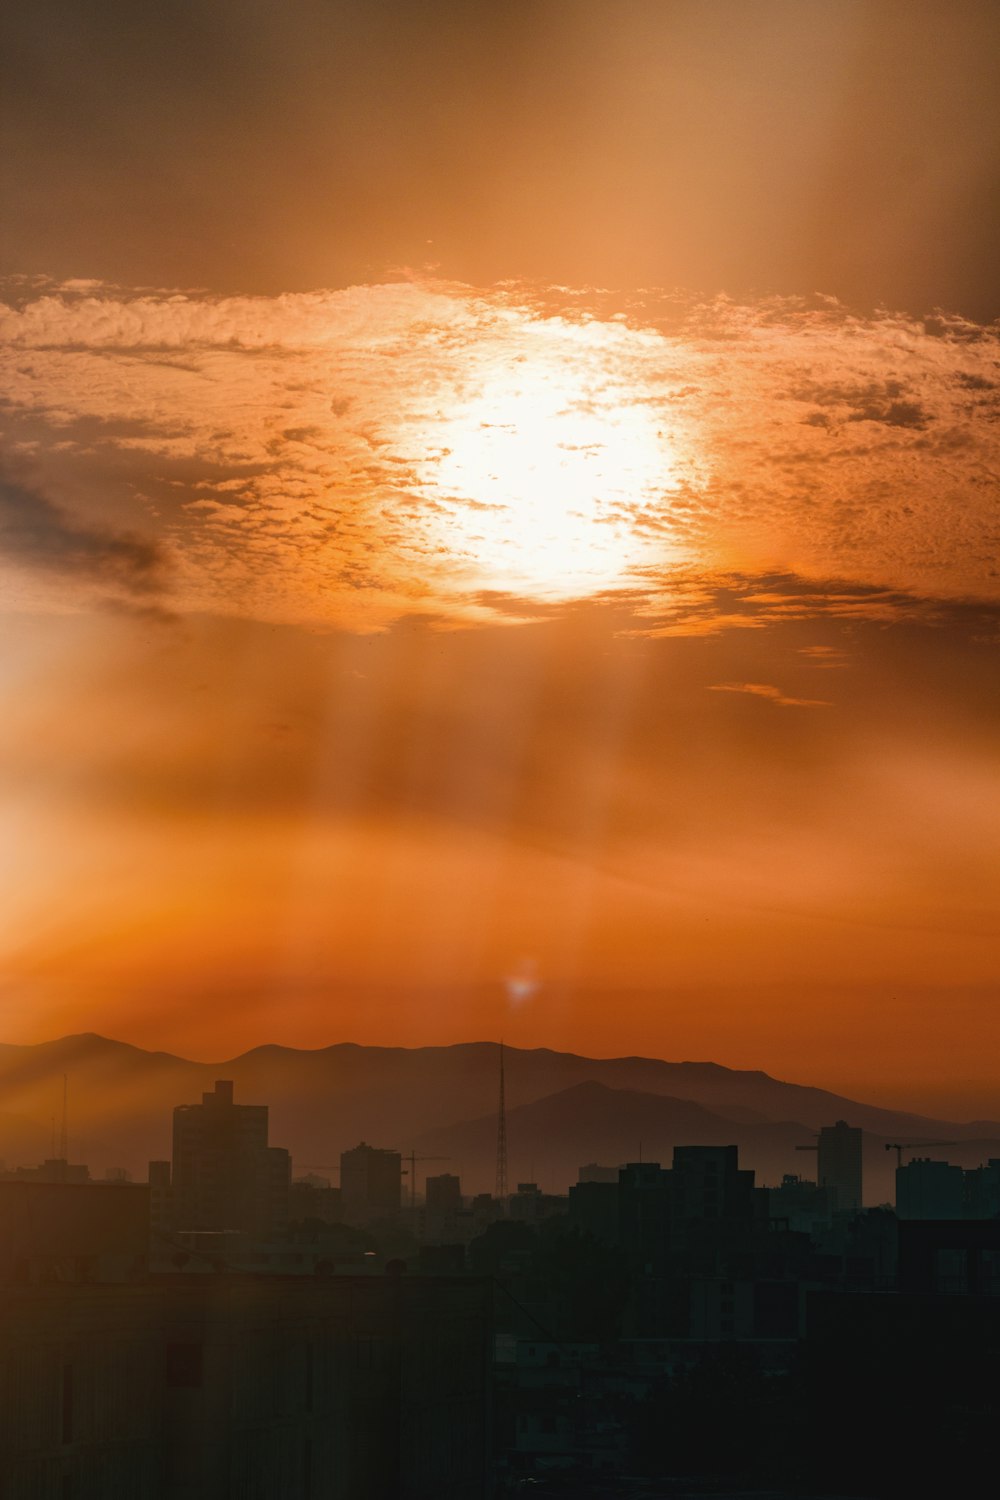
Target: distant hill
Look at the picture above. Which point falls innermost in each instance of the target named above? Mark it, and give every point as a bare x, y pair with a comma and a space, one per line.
121, 1100
549, 1139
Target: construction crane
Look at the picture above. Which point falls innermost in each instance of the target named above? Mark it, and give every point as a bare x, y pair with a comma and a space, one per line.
413, 1158
913, 1146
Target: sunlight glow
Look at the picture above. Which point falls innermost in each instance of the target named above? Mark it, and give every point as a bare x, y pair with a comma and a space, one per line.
543, 486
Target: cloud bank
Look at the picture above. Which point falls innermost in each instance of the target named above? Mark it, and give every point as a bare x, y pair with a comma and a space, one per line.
300, 458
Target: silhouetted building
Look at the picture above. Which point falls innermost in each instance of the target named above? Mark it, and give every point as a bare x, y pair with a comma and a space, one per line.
225, 1175
920, 1366
484, 1211
443, 1194
161, 1198
799, 1205
55, 1169
839, 1166
704, 1261
370, 1184
928, 1189
708, 1183
186, 1388
530, 1205
444, 1220
312, 1197
592, 1172
69, 1231
593, 1208
957, 1257
982, 1191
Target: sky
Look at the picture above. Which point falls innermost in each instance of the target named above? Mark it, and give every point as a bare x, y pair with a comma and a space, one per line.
499, 531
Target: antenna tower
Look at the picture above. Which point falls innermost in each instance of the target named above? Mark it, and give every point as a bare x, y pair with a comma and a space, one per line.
501, 1183
64, 1127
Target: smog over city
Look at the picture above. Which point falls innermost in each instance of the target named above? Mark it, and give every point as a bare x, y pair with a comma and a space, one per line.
499, 767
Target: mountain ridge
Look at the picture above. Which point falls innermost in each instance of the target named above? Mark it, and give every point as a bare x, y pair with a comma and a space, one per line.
705, 1067
324, 1100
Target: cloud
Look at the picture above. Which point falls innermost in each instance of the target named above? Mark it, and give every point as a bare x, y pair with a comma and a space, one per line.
707, 605
351, 458
824, 656
766, 690
885, 401
37, 534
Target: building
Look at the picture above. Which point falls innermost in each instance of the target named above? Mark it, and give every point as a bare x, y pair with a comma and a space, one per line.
312, 1197
370, 1184
900, 1394
225, 1176
444, 1221
267, 1388
839, 1166
593, 1172
443, 1195
161, 1198
708, 1183
593, 1208
956, 1257
799, 1205
56, 1169
928, 1189
982, 1191
72, 1232
530, 1205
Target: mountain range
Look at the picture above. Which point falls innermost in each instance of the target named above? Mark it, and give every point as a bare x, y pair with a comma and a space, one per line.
563, 1110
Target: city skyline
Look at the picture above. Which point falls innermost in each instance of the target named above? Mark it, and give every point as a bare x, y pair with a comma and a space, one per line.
498, 534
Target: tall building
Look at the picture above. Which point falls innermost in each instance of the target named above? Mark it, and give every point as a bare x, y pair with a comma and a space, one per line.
982, 1191
444, 1220
928, 1189
839, 1166
225, 1175
708, 1183
370, 1183
444, 1194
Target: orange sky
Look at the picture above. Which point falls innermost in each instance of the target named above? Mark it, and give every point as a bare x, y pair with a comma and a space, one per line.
368, 648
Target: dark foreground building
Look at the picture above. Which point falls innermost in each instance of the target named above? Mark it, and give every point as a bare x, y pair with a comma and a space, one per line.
257, 1388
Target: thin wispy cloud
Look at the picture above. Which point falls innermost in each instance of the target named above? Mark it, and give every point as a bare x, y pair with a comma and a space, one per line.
769, 692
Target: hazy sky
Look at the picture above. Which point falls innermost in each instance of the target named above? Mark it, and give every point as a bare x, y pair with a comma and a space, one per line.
505, 492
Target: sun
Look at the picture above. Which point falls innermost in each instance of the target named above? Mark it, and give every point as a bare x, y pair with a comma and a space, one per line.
542, 484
